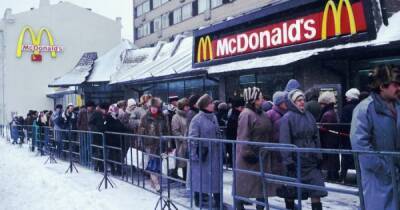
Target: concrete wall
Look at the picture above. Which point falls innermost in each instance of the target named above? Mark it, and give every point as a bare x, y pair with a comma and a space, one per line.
216, 15
77, 29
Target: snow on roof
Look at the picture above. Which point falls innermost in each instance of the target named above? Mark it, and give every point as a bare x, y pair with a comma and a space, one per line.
173, 58
109, 63
79, 73
386, 34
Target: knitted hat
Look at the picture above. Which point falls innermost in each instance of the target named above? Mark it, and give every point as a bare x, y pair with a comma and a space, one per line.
327, 97
292, 85
266, 106
353, 93
252, 94
182, 103
279, 97
296, 94
204, 101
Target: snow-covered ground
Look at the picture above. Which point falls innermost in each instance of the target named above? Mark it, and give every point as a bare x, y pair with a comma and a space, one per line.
26, 183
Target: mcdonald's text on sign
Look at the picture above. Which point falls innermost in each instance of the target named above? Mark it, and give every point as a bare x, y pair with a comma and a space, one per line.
37, 47
337, 18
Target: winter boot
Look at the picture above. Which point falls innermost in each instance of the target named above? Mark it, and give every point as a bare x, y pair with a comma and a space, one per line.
316, 206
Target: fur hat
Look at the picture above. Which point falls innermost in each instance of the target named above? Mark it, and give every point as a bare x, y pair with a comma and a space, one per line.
252, 94
131, 102
279, 97
327, 97
384, 75
204, 101
155, 102
121, 104
353, 93
182, 103
145, 98
237, 102
173, 98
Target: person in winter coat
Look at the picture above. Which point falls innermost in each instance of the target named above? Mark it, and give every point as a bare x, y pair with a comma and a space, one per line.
14, 129
70, 118
96, 124
206, 157
275, 114
123, 116
139, 112
299, 127
254, 126
59, 124
154, 123
113, 124
352, 100
232, 128
312, 105
179, 128
375, 127
131, 106
331, 162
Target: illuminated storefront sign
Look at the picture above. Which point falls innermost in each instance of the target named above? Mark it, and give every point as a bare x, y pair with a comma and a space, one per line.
36, 46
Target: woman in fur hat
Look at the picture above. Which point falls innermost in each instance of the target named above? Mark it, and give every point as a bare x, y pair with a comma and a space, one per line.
154, 123
206, 157
299, 127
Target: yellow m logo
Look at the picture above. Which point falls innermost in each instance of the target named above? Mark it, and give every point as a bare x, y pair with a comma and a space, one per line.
36, 40
204, 46
337, 16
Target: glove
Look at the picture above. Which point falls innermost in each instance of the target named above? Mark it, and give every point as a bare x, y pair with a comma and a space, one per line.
251, 159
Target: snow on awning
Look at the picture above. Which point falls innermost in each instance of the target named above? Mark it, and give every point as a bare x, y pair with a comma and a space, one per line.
172, 59
386, 34
79, 73
109, 63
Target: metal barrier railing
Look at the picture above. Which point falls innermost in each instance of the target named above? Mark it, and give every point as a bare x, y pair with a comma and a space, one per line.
124, 156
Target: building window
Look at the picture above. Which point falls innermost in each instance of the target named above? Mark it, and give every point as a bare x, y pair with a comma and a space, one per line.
203, 5
157, 24
143, 30
165, 20
156, 3
216, 3
146, 7
139, 11
186, 11
177, 16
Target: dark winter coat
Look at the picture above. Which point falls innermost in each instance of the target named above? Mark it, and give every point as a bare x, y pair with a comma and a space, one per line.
83, 121
375, 128
70, 120
96, 124
192, 112
347, 161
254, 126
329, 140
153, 126
206, 157
276, 114
314, 108
58, 121
179, 128
232, 126
300, 128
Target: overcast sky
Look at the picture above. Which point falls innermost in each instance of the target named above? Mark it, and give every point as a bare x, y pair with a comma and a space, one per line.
108, 8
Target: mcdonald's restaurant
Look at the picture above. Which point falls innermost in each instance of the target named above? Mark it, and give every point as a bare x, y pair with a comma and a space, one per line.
327, 44
331, 45
43, 43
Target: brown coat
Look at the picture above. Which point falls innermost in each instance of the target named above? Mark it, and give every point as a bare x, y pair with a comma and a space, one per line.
179, 127
257, 128
153, 126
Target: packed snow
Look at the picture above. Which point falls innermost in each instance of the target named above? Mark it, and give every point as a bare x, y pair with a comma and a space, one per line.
28, 184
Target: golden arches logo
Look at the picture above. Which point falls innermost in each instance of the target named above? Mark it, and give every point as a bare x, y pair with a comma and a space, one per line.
36, 40
204, 46
337, 16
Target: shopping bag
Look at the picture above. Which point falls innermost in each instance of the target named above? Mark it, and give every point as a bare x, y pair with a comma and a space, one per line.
137, 157
172, 161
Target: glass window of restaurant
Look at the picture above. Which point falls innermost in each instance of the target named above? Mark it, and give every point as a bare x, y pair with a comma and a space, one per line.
194, 86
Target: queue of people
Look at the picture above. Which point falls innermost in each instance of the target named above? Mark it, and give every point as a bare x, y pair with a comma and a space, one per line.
304, 119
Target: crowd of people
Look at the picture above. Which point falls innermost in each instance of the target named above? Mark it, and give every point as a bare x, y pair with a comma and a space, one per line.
306, 119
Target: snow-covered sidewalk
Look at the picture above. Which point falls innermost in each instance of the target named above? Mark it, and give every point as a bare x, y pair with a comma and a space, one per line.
28, 184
